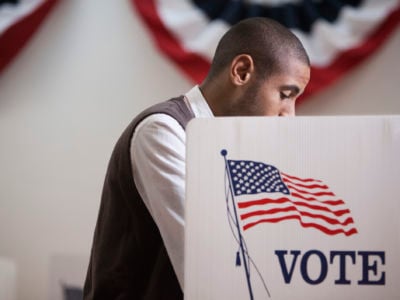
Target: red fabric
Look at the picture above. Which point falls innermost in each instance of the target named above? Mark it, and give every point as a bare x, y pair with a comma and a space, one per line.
15, 37
190, 63
323, 77
196, 67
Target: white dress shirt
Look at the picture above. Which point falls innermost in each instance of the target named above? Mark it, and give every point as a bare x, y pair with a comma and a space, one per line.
158, 163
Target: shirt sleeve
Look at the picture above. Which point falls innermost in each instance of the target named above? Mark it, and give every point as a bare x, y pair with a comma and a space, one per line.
158, 163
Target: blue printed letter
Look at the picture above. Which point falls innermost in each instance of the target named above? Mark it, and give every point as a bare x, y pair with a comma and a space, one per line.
366, 267
287, 275
342, 264
324, 267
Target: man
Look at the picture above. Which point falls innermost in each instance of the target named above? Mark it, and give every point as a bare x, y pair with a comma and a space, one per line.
259, 69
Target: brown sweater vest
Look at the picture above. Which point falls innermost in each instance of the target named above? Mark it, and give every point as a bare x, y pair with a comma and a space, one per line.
128, 258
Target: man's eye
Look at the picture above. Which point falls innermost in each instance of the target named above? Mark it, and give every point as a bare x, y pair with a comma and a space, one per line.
285, 95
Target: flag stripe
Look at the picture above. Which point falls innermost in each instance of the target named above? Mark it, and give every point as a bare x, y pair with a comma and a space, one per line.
313, 225
310, 193
347, 221
306, 216
331, 202
282, 200
312, 186
266, 201
299, 179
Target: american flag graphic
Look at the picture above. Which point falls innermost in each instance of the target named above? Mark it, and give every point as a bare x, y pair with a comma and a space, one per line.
264, 194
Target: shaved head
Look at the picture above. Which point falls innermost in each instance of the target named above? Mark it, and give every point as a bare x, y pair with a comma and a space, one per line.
269, 44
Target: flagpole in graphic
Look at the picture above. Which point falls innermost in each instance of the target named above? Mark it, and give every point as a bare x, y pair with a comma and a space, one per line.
246, 267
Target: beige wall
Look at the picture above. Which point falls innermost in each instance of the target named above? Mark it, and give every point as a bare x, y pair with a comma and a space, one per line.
65, 100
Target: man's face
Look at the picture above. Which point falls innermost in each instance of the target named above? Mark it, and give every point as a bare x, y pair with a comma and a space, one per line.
277, 94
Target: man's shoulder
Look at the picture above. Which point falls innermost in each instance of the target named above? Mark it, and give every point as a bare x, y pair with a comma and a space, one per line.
157, 123
172, 114
176, 108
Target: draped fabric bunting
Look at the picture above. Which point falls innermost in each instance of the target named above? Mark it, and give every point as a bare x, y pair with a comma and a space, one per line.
19, 19
337, 35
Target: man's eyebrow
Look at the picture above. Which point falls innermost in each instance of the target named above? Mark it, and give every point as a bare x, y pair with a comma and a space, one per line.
293, 88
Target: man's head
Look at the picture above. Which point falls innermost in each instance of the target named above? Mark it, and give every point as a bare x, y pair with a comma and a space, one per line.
259, 68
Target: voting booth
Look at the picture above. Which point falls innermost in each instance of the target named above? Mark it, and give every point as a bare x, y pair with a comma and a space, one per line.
293, 208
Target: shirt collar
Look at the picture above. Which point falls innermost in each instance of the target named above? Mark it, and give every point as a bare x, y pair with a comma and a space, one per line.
197, 103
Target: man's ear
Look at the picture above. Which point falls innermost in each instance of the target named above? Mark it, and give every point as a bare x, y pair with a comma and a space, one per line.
242, 69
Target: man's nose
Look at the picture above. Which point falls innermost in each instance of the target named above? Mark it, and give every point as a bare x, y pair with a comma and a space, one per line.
288, 110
